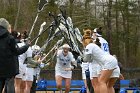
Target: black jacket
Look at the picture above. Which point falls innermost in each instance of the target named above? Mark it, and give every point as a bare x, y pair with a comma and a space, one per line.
8, 54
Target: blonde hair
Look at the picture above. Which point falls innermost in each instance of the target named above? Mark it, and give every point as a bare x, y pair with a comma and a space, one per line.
87, 37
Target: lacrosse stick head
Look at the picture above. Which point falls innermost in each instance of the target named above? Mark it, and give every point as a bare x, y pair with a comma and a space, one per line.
41, 4
63, 11
69, 22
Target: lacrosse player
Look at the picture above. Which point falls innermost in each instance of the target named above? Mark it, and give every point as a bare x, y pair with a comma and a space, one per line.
64, 66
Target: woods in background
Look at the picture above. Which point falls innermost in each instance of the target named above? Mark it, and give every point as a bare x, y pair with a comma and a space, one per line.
120, 20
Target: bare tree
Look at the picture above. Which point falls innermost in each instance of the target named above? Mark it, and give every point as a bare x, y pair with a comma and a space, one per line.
17, 16
117, 28
71, 8
109, 27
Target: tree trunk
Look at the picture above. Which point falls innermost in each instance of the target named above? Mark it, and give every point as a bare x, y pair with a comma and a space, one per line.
71, 8
127, 33
87, 12
117, 31
109, 23
95, 8
124, 44
17, 16
104, 18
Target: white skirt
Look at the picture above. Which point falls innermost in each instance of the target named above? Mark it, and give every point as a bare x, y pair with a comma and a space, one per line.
116, 73
29, 74
22, 70
63, 73
94, 70
110, 63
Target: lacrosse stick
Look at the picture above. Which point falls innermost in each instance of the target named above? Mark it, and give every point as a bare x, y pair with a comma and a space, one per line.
41, 5
68, 28
40, 31
78, 35
59, 42
63, 12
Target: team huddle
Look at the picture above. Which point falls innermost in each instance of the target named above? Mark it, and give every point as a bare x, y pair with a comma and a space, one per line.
96, 59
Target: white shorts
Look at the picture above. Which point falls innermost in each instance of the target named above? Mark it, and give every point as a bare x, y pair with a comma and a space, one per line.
94, 70
22, 70
29, 74
83, 72
110, 64
83, 76
64, 74
116, 73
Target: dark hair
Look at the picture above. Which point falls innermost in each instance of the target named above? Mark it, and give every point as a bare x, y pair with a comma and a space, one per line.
97, 42
24, 34
120, 66
99, 30
15, 34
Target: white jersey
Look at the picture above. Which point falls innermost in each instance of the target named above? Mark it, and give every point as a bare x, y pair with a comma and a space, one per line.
62, 63
98, 54
95, 67
23, 56
104, 45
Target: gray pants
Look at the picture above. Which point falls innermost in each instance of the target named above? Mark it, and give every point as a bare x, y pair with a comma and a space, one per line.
9, 86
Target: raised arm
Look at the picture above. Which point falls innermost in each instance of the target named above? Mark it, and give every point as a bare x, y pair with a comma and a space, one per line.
14, 47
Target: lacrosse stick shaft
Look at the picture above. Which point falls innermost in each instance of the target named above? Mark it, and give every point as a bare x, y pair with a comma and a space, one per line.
46, 43
51, 38
48, 53
34, 24
36, 41
59, 42
50, 58
40, 31
40, 34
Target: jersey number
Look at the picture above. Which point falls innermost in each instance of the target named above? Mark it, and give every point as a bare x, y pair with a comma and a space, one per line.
105, 45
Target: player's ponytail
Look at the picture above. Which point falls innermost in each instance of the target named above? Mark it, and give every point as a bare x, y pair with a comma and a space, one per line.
87, 37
